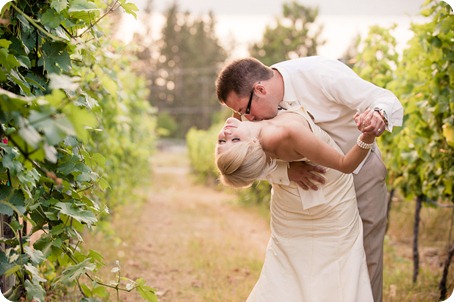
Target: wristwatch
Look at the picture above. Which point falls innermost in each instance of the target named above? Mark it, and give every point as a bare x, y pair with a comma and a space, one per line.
383, 115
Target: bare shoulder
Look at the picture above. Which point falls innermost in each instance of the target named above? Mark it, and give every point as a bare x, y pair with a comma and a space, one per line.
293, 123
282, 133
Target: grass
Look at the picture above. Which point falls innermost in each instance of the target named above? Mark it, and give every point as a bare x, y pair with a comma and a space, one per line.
434, 236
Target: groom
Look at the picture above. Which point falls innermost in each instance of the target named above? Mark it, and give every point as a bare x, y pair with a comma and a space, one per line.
332, 93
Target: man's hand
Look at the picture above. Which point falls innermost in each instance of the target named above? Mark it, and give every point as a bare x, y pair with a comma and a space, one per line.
307, 176
370, 122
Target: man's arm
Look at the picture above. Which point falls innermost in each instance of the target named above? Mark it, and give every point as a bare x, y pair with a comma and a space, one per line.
342, 84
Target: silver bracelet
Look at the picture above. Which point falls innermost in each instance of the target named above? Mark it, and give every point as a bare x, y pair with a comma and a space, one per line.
362, 144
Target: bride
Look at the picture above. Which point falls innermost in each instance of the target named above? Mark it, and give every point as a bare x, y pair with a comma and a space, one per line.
315, 252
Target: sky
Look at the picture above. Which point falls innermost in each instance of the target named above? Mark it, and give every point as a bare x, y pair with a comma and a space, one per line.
242, 22
260, 7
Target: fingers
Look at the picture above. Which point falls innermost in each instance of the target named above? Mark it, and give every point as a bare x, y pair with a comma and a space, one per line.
307, 184
303, 186
365, 119
307, 176
370, 122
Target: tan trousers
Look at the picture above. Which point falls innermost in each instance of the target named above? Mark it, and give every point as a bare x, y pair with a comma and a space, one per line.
371, 193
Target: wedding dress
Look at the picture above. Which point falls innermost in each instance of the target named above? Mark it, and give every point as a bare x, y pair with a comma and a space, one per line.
315, 253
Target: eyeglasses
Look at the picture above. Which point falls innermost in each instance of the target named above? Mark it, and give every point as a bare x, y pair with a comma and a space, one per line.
248, 107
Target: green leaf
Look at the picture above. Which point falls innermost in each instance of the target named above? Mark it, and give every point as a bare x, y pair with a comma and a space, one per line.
67, 166
82, 6
50, 152
55, 128
108, 83
73, 272
51, 18
12, 270
12, 101
100, 291
59, 5
36, 256
8, 60
56, 57
103, 184
148, 293
86, 290
4, 264
20, 81
96, 256
5, 207
5, 43
11, 200
24, 61
77, 213
81, 119
34, 291
34, 272
28, 133
61, 81
130, 8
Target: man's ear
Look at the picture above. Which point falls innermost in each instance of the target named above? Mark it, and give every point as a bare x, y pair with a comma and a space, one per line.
260, 89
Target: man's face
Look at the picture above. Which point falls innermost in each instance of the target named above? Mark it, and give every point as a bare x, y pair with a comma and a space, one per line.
261, 108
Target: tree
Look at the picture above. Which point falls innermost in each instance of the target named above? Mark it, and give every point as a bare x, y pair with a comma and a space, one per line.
186, 69
295, 35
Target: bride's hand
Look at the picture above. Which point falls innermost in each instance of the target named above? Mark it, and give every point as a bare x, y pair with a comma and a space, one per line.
369, 122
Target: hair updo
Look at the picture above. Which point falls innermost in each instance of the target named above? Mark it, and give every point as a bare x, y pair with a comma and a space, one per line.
241, 164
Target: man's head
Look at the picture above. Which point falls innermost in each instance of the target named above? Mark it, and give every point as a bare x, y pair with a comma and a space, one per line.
249, 88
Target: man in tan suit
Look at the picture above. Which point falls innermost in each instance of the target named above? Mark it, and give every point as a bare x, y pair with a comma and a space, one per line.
332, 93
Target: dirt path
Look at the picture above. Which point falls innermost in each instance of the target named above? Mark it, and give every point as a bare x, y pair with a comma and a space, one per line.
190, 242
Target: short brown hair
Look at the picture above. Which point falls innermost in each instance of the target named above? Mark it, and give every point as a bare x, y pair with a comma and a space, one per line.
239, 76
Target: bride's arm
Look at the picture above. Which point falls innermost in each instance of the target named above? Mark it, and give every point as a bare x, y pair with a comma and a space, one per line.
296, 141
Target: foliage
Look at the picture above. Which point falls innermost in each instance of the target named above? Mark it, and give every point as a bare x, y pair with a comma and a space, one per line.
167, 126
378, 57
201, 147
424, 84
189, 55
376, 62
419, 155
295, 35
76, 133
258, 193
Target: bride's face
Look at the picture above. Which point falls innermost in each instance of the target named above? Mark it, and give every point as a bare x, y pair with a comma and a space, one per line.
234, 131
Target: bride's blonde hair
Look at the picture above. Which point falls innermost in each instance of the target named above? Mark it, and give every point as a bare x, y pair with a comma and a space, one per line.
241, 164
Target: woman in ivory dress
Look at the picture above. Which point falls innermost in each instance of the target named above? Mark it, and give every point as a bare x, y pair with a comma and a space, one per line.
315, 253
